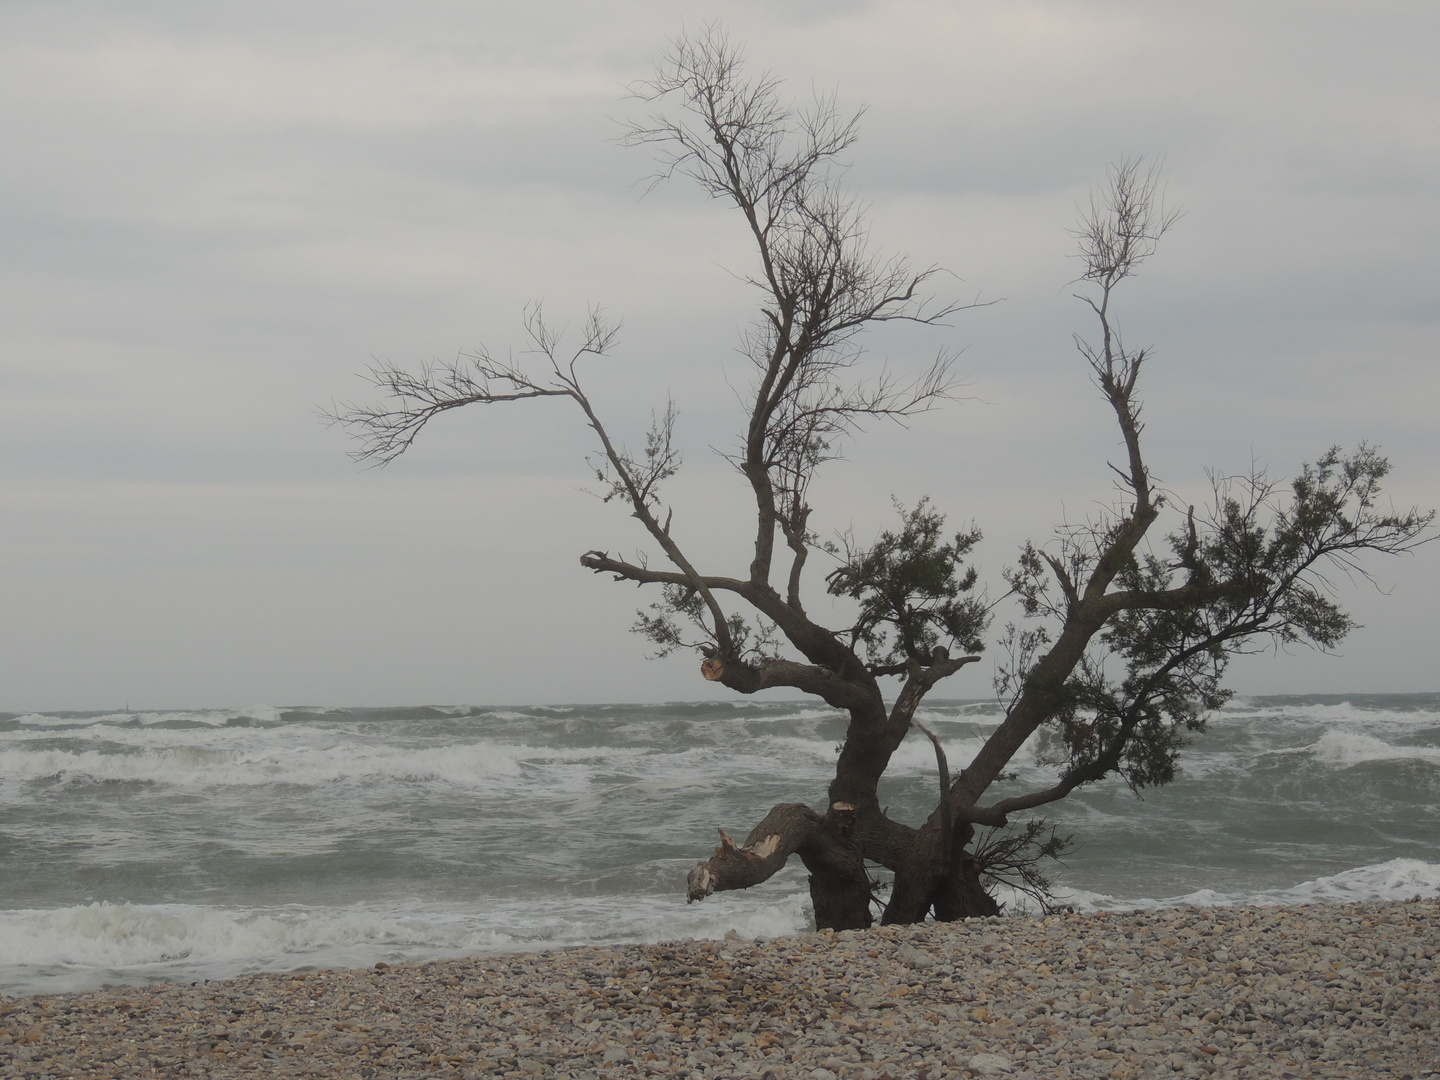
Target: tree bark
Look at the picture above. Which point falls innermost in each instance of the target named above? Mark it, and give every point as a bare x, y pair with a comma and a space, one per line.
784, 830
932, 879
839, 882
960, 894
929, 873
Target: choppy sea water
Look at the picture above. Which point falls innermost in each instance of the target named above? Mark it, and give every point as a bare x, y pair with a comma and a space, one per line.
137, 847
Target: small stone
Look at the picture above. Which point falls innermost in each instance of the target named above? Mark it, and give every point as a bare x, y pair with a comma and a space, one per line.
990, 1064
907, 954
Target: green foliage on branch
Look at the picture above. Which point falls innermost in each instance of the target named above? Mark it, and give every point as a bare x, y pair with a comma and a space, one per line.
912, 587
1253, 575
669, 624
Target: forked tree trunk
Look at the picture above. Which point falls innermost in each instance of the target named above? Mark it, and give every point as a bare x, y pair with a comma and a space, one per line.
836, 847
840, 883
932, 879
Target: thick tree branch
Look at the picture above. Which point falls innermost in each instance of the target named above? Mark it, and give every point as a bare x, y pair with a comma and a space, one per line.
947, 817
784, 830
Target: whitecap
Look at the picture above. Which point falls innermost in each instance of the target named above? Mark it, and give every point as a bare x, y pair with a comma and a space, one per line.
88, 945
1347, 748
1397, 879
1287, 713
84, 945
917, 755
204, 717
189, 765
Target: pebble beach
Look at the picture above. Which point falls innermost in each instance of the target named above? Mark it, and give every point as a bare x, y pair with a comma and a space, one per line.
1311, 991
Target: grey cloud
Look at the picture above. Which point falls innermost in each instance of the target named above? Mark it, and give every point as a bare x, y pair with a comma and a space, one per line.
213, 216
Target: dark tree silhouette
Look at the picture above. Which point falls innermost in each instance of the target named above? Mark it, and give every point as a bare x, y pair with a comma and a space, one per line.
1116, 652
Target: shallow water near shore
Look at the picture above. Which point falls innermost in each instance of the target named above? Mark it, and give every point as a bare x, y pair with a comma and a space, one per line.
196, 845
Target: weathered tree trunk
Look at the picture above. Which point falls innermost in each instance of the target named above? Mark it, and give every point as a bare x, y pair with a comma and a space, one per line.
933, 870
960, 894
839, 881
840, 884
932, 879
841, 902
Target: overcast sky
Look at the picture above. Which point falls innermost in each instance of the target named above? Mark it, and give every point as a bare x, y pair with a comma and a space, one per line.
212, 216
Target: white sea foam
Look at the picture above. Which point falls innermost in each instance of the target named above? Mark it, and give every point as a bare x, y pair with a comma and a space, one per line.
803, 714
129, 935
981, 714
202, 766
1397, 879
74, 947
207, 717
1352, 748
784, 914
42, 720
1341, 714
245, 758
917, 755
510, 715
78, 947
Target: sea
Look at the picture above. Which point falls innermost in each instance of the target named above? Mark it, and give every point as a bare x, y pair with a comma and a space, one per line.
140, 847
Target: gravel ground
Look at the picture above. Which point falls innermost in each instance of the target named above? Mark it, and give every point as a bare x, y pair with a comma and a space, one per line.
1314, 991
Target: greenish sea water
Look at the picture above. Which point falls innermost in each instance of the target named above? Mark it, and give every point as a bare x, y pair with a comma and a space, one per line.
201, 844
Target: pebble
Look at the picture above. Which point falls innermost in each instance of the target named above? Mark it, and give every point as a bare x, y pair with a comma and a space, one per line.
1317, 991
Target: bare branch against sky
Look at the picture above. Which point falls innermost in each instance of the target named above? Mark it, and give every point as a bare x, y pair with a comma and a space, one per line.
213, 216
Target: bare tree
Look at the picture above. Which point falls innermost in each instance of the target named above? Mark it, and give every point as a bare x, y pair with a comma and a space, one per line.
1118, 652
